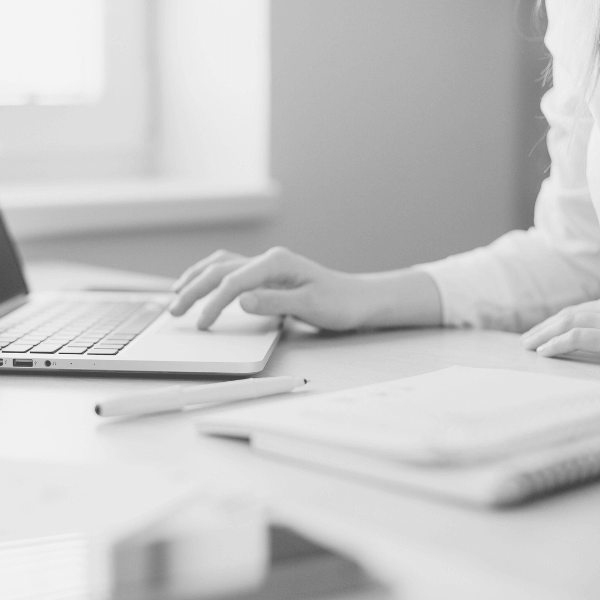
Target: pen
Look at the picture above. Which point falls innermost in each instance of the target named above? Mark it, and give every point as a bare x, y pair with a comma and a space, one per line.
175, 397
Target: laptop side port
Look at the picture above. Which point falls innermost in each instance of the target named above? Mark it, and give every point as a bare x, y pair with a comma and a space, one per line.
22, 362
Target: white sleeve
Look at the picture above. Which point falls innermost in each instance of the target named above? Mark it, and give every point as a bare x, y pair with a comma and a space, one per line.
526, 276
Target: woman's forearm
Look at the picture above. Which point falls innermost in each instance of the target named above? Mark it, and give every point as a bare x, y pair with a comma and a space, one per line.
404, 298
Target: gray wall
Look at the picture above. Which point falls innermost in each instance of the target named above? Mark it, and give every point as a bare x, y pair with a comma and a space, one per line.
401, 133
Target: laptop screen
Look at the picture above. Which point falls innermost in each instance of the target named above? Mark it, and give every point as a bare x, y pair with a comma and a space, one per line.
12, 282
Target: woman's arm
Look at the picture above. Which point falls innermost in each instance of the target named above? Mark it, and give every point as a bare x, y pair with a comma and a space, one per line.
280, 282
525, 277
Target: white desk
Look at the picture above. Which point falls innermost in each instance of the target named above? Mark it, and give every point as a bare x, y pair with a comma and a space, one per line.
553, 545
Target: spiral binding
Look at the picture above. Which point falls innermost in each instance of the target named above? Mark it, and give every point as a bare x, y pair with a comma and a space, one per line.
543, 481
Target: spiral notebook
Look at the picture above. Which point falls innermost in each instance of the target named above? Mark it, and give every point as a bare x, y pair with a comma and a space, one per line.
491, 437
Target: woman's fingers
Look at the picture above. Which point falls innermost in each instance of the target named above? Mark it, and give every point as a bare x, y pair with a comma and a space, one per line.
210, 278
277, 282
190, 274
542, 332
225, 276
574, 318
272, 267
574, 339
574, 328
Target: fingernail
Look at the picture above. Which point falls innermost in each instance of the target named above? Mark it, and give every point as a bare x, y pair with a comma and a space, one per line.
174, 305
202, 321
542, 349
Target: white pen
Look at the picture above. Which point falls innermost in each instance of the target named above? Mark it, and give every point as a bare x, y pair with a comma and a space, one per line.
175, 397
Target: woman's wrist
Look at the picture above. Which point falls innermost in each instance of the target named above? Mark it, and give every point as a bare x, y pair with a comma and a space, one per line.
405, 298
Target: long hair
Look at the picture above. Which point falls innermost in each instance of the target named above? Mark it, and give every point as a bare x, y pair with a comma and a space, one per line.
539, 23
590, 68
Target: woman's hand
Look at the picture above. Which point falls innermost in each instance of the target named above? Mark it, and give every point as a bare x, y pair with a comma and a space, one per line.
277, 282
573, 328
280, 282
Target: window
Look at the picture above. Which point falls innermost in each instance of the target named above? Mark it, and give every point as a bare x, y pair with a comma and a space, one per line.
54, 52
106, 104
73, 89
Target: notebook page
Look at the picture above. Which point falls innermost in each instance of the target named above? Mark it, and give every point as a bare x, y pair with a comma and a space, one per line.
454, 415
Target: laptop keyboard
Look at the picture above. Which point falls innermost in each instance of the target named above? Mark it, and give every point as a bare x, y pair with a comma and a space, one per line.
79, 327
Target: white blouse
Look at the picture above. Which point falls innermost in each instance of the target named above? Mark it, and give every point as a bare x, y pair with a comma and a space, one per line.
526, 276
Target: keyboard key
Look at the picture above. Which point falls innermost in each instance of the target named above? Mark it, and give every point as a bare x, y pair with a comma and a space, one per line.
17, 348
103, 351
46, 348
112, 346
72, 350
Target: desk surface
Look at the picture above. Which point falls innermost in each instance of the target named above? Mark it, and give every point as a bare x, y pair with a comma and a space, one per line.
553, 544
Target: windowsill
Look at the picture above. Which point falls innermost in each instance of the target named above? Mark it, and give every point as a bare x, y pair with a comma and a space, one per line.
49, 210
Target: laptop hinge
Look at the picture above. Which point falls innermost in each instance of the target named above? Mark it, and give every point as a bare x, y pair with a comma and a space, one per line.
9, 305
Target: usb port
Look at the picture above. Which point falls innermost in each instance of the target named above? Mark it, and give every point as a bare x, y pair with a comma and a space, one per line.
22, 362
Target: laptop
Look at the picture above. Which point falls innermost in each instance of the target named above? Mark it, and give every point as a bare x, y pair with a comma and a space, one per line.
121, 332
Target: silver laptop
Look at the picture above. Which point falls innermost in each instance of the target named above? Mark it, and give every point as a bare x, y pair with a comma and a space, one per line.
120, 331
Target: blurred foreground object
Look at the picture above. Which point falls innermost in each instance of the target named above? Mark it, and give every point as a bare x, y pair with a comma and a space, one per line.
215, 545
225, 551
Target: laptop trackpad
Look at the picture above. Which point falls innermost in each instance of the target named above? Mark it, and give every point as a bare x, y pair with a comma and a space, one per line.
232, 321
236, 343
